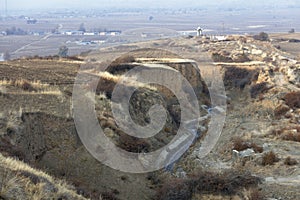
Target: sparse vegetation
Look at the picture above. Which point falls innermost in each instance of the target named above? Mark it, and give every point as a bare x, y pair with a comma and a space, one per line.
290, 161
226, 183
31, 86
291, 137
123, 60
133, 144
291, 133
15, 31
262, 36
281, 110
258, 89
216, 57
292, 99
239, 77
269, 158
241, 145
256, 194
19, 181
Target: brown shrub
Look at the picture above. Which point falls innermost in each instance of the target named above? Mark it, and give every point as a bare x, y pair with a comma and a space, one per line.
25, 85
242, 58
227, 183
292, 99
281, 110
241, 145
133, 144
269, 158
216, 57
256, 194
291, 137
258, 89
75, 58
290, 161
106, 196
176, 189
256, 148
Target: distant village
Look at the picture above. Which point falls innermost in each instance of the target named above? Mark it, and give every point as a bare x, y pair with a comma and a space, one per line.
83, 32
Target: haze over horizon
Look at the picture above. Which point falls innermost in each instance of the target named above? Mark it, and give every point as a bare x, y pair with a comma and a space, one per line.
89, 4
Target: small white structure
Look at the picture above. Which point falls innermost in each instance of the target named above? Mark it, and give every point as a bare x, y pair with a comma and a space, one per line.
1, 57
199, 31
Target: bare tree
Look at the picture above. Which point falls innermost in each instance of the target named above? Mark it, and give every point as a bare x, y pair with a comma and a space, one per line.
6, 55
292, 30
82, 28
63, 51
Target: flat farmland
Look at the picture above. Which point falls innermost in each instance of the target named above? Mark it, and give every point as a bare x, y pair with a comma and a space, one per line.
137, 26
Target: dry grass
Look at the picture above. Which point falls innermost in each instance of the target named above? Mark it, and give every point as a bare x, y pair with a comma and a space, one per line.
291, 137
256, 194
108, 81
269, 158
31, 87
260, 109
241, 145
290, 161
258, 89
280, 111
239, 77
228, 183
129, 81
290, 133
19, 181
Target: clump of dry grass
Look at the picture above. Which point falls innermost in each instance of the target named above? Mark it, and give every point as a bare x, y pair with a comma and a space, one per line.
256, 194
281, 110
290, 161
241, 145
269, 158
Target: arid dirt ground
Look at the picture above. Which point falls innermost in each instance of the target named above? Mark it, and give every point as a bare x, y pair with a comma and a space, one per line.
256, 157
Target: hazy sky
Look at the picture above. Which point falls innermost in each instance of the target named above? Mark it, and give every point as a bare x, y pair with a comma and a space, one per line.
35, 4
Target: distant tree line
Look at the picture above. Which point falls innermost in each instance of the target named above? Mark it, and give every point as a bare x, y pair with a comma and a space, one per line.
15, 31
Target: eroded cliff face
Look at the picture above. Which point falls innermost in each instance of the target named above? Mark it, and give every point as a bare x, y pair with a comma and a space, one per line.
261, 82
47, 139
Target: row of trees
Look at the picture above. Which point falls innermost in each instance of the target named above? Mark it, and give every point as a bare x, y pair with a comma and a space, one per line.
15, 31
